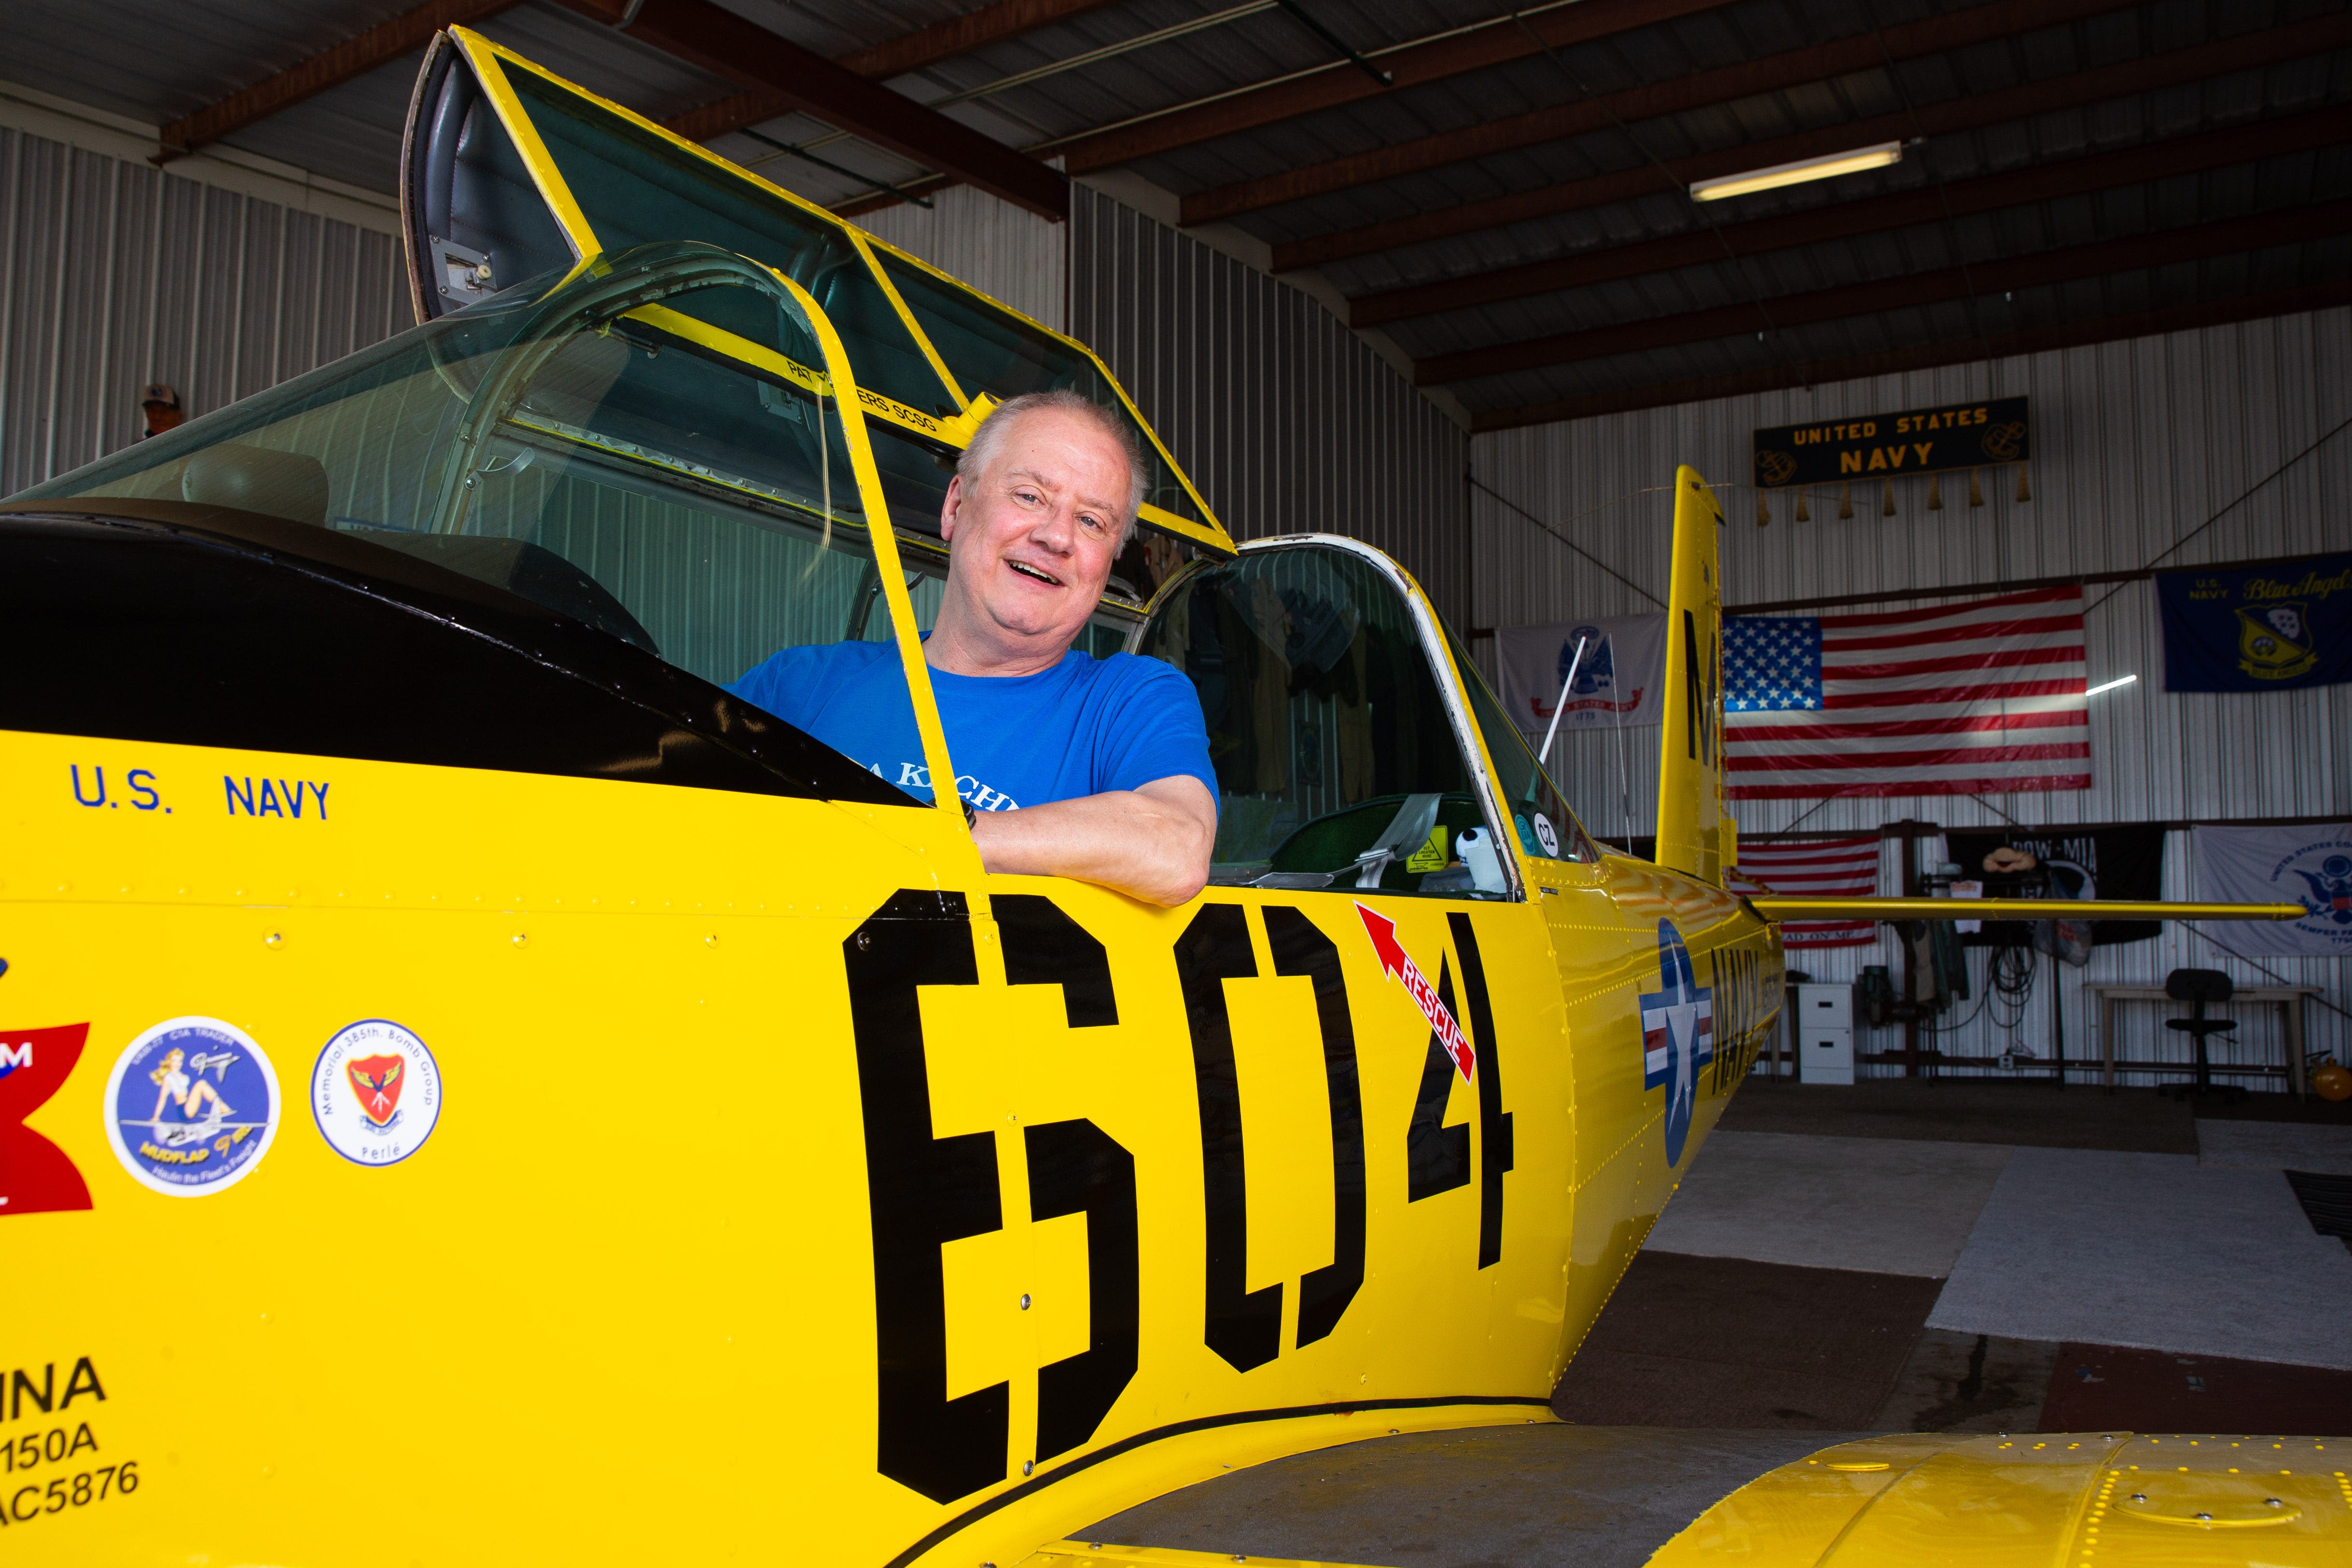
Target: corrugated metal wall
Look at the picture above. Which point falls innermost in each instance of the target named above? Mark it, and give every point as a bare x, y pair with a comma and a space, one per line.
2136, 444
1286, 421
113, 275
1003, 251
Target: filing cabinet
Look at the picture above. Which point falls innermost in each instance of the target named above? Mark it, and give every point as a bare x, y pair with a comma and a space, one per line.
1825, 1034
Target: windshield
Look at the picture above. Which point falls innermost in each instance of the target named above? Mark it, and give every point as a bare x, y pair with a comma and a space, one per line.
1329, 731
1546, 829
595, 449
993, 350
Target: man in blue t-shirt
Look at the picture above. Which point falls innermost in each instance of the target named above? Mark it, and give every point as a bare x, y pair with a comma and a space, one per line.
1073, 765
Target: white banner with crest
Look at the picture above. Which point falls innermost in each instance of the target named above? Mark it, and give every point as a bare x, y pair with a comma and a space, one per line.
2311, 866
1616, 684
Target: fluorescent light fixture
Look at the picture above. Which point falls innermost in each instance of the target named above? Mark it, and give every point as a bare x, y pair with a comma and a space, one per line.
1797, 173
2110, 686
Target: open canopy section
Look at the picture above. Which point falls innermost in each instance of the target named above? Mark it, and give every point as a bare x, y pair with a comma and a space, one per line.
512, 170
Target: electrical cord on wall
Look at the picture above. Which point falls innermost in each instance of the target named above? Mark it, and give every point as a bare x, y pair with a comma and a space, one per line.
2010, 976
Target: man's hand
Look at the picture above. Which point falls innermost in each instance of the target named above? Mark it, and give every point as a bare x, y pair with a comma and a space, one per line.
1151, 844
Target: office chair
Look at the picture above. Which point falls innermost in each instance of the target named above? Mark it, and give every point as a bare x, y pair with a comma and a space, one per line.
2196, 988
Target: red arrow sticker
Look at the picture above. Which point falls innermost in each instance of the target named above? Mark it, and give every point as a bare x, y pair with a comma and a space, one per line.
1400, 966
36, 1175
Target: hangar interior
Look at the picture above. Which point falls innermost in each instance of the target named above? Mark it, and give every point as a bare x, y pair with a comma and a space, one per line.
1437, 275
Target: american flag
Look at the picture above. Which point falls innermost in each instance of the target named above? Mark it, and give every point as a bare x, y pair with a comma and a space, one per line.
1824, 868
1974, 698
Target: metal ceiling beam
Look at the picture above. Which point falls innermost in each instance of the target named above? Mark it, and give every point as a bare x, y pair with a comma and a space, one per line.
1928, 204
741, 51
858, 206
892, 57
352, 57
1675, 95
1968, 112
1494, 44
1925, 356
2133, 253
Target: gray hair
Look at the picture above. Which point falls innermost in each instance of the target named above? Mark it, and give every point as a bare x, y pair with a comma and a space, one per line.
993, 430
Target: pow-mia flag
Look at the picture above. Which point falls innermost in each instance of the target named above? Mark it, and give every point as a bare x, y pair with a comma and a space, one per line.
2265, 630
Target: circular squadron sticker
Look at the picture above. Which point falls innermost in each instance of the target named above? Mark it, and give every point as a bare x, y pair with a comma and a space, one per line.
376, 1093
191, 1106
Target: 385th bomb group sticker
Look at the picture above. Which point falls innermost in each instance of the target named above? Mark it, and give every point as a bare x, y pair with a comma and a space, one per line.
376, 1093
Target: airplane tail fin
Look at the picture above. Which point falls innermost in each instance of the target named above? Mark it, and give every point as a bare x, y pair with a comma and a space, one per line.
1696, 833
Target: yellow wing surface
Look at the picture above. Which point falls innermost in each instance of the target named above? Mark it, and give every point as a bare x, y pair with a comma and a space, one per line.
2031, 1498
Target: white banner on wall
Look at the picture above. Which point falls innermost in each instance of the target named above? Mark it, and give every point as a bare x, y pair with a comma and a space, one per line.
1617, 684
2310, 866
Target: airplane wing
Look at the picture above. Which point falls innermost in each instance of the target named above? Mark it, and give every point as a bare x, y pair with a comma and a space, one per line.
1779, 907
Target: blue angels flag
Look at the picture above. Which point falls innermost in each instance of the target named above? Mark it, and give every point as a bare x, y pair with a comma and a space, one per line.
2266, 628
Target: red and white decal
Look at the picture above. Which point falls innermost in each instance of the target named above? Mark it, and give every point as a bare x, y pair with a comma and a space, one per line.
1401, 966
36, 1175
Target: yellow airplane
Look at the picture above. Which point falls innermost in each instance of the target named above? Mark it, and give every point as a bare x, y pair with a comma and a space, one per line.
473, 1091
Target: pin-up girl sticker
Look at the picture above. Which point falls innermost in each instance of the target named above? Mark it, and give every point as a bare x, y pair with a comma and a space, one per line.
192, 1106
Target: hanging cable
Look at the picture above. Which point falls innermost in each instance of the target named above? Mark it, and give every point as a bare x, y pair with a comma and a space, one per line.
1479, 483
2245, 495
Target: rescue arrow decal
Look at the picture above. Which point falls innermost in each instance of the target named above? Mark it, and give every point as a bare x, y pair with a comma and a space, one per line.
1398, 966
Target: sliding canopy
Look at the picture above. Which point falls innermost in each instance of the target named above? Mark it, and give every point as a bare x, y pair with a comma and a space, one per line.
510, 172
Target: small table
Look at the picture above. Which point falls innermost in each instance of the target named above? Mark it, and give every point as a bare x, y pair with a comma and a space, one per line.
2288, 1000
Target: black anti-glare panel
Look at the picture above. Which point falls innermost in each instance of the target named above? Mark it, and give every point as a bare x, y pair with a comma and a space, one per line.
201, 626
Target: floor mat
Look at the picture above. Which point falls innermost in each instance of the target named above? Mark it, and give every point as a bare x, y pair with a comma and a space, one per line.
1726, 1342
2155, 1251
1594, 1496
1970, 1110
2325, 1197
1889, 1206
2110, 1388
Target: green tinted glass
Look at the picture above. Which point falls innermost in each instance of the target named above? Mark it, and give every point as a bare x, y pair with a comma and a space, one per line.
625, 478
1330, 732
1546, 829
635, 188
991, 350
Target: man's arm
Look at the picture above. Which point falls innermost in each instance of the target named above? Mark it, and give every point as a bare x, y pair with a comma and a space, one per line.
1152, 843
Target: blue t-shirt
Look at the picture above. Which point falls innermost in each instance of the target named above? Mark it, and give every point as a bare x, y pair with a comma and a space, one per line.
1084, 726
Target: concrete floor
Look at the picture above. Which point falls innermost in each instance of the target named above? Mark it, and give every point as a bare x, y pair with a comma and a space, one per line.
1529, 1496
2154, 1251
1728, 1342
2206, 1253
1889, 1206
1970, 1110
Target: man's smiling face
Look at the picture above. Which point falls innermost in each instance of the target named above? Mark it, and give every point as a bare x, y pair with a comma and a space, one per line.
1032, 539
